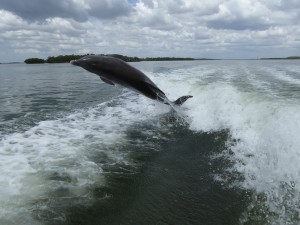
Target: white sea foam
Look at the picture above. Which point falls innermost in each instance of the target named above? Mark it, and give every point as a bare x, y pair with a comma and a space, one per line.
267, 152
282, 74
59, 154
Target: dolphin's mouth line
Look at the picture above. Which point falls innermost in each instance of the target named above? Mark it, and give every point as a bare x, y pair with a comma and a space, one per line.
73, 62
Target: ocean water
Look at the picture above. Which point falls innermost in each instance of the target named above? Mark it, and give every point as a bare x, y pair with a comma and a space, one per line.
74, 150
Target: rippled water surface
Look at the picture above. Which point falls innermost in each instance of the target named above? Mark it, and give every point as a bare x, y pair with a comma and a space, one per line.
74, 150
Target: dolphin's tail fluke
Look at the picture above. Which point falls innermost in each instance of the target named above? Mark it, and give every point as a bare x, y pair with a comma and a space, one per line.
181, 100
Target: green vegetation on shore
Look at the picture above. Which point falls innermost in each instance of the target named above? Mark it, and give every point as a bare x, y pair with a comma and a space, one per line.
63, 58
34, 61
290, 57
54, 59
293, 57
68, 58
137, 59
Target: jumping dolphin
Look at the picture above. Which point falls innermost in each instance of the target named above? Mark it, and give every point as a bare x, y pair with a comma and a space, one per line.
113, 70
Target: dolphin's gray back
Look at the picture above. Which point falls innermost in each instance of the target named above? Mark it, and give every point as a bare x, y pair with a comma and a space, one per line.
119, 72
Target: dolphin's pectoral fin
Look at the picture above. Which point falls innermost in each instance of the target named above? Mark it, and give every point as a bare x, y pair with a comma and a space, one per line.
107, 81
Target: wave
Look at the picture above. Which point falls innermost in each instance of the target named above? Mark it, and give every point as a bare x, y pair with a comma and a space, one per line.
59, 154
265, 129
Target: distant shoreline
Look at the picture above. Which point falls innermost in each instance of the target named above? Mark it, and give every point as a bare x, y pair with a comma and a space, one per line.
68, 58
12, 63
290, 57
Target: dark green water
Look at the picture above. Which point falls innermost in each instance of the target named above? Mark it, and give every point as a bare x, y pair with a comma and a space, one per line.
74, 150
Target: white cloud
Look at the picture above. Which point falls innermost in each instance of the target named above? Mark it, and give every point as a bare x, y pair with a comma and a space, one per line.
8, 20
216, 28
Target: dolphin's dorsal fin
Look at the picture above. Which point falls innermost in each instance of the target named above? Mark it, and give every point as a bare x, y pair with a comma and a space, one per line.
107, 81
117, 56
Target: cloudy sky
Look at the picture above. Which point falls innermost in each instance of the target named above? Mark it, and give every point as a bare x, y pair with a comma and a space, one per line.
185, 28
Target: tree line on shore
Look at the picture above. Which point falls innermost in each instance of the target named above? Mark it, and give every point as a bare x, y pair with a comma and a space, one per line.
290, 57
68, 58
53, 59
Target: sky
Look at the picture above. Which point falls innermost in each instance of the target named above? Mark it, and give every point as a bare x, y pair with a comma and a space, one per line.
223, 29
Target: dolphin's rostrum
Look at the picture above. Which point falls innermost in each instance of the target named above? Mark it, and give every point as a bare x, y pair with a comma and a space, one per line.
113, 70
